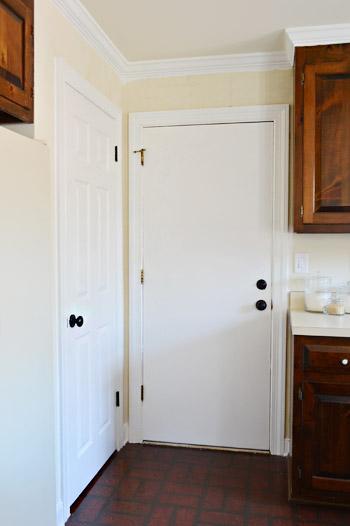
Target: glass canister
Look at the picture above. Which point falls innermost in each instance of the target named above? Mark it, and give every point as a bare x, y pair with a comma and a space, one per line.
335, 305
317, 293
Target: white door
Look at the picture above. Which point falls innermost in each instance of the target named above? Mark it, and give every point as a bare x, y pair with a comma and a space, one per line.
207, 240
89, 289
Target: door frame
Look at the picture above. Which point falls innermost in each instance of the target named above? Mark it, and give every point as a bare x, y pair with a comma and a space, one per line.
281, 249
67, 76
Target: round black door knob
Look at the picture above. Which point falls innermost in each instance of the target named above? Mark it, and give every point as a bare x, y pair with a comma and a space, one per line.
261, 304
261, 284
75, 321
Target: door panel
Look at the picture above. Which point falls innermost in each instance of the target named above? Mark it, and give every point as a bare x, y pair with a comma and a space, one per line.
207, 237
89, 288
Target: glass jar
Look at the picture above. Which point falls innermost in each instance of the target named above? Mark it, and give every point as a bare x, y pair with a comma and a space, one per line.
335, 306
317, 293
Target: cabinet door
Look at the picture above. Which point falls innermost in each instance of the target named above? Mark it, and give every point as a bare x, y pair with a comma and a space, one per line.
16, 59
322, 156
326, 432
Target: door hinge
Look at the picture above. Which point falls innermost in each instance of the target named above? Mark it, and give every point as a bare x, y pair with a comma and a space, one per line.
142, 393
300, 394
142, 155
299, 472
32, 92
116, 153
31, 30
301, 211
117, 402
302, 78
142, 277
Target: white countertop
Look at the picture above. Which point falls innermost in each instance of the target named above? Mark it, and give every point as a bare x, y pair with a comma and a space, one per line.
315, 324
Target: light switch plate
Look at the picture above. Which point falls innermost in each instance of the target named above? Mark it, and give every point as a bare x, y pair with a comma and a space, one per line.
301, 262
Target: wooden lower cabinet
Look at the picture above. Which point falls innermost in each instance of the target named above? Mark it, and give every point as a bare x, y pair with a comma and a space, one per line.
320, 460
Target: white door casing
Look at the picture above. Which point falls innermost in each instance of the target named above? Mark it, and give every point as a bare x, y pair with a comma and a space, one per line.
89, 283
278, 116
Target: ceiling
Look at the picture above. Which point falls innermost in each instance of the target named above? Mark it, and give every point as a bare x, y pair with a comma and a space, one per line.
163, 29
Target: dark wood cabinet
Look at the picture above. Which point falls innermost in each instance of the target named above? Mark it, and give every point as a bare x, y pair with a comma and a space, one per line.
320, 460
16, 60
322, 139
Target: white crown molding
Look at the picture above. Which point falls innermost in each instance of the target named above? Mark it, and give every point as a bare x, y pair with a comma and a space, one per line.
315, 36
87, 26
206, 65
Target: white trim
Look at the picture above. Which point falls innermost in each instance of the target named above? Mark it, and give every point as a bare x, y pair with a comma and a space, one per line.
287, 446
125, 434
206, 65
315, 36
89, 29
65, 75
279, 115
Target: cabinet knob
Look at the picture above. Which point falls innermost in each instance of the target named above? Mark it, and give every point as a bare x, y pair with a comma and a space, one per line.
345, 361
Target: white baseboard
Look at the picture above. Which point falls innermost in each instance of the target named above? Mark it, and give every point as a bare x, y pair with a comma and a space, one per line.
287, 446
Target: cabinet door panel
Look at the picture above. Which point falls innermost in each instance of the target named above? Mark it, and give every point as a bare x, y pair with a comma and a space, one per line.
326, 429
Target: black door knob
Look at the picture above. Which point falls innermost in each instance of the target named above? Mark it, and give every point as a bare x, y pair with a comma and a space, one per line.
261, 304
79, 321
261, 284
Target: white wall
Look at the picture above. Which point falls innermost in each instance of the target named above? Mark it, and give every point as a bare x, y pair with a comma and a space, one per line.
27, 438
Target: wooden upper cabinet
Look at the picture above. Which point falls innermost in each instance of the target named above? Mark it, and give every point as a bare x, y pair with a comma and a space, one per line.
16, 60
322, 139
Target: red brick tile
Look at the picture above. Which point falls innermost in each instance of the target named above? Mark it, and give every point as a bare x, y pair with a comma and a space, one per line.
109, 480
274, 504
151, 465
242, 461
194, 456
148, 490
282, 522
167, 454
228, 482
185, 517
148, 453
240, 474
116, 519
179, 500
120, 467
312, 524
258, 521
306, 513
214, 499
198, 475
260, 481
90, 509
133, 508
128, 489
331, 515
223, 459
184, 489
178, 473
147, 474
222, 518
279, 482
101, 491
161, 516
236, 501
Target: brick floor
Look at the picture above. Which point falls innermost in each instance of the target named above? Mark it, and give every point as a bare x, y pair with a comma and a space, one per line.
161, 486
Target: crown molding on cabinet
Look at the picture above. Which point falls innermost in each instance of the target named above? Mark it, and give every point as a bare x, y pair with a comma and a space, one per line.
315, 36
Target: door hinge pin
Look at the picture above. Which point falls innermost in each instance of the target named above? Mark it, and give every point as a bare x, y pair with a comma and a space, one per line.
117, 401
142, 393
142, 155
142, 277
300, 394
301, 211
302, 78
299, 472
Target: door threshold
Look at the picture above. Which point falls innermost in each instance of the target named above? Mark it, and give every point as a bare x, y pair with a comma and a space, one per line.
213, 448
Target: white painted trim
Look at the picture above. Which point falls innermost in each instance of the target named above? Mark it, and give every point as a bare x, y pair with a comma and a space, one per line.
89, 29
65, 75
125, 434
206, 65
315, 36
287, 446
279, 115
